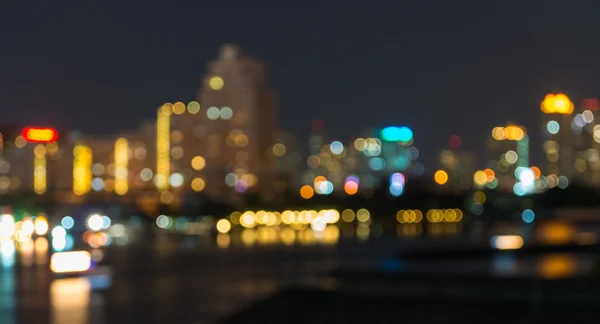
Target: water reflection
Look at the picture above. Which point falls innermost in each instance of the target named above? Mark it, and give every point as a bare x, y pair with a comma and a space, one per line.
70, 299
7, 248
41, 250
557, 266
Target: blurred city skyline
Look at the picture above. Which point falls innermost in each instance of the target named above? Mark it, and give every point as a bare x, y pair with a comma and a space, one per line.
324, 62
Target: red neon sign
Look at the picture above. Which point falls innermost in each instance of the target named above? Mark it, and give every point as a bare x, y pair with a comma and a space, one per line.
39, 135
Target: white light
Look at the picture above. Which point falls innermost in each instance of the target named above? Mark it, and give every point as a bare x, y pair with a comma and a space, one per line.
527, 177
318, 224
59, 231
176, 180
59, 244
41, 226
94, 222
7, 226
27, 227
76, 261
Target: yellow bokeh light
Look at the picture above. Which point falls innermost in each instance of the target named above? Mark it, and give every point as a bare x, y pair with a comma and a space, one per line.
279, 149
363, 215
557, 104
216, 83
499, 133
82, 170
198, 184
20, 142
163, 149
223, 226
480, 178
193, 107
39, 169
179, 108
440, 177
198, 163
515, 133
166, 109
348, 215
121, 154
306, 192
479, 197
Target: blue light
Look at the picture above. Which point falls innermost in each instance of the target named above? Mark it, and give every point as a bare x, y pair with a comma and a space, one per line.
336, 147
553, 127
377, 164
396, 191
528, 216
67, 222
396, 134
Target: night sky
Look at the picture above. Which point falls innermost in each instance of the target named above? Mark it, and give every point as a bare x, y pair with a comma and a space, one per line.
442, 67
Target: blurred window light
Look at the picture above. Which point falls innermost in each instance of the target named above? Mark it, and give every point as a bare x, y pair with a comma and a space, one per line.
179, 108
396, 134
226, 113
193, 107
336, 147
213, 113
176, 180
216, 83
75, 261
506, 242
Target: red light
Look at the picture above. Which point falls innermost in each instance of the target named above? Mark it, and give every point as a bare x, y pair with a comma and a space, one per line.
455, 141
590, 104
39, 135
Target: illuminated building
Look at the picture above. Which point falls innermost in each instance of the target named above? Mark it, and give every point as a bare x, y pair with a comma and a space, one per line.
586, 144
459, 166
239, 120
82, 169
39, 169
507, 150
558, 146
288, 162
163, 147
121, 164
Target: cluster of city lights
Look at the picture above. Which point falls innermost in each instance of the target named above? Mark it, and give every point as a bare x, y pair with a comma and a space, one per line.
432, 216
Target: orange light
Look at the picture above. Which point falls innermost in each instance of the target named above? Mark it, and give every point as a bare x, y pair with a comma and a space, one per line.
319, 179
440, 177
514, 133
351, 187
306, 192
490, 174
536, 172
557, 104
40, 135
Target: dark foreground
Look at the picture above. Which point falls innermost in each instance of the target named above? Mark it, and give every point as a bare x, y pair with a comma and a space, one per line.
181, 280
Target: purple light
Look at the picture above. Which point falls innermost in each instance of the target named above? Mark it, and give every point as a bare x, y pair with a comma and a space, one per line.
353, 179
241, 186
397, 180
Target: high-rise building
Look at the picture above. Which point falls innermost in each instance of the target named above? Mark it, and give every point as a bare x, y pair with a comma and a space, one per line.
240, 124
558, 146
507, 150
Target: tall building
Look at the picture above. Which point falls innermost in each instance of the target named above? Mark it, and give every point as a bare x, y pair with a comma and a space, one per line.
507, 150
240, 124
558, 146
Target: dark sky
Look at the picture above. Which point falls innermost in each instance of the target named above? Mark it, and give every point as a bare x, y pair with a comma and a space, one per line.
442, 67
